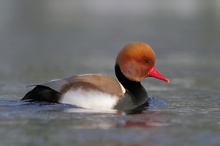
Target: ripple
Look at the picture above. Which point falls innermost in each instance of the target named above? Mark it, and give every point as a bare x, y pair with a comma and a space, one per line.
156, 102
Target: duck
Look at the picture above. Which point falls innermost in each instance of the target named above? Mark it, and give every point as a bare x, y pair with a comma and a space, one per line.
135, 62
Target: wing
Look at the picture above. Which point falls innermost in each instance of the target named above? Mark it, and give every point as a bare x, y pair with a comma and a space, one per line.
52, 90
101, 82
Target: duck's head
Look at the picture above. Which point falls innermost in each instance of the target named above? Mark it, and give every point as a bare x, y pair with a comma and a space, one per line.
136, 61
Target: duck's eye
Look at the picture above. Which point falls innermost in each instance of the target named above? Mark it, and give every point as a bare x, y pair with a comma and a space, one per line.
146, 61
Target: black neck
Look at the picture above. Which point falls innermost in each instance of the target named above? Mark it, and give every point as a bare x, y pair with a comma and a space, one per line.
135, 88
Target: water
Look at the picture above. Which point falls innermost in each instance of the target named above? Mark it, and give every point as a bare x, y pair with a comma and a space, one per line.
41, 41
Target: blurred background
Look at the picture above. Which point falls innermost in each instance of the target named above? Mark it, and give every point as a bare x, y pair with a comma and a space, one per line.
45, 39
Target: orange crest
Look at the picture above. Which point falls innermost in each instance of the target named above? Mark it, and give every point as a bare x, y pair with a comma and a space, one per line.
136, 60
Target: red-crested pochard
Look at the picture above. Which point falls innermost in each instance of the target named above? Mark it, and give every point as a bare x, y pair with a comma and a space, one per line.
96, 91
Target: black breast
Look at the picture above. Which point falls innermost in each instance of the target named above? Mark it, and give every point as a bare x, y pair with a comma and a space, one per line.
135, 95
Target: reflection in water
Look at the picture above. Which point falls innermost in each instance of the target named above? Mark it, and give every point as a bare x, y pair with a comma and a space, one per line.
145, 120
83, 110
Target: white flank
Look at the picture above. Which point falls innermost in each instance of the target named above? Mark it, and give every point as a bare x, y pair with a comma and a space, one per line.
89, 99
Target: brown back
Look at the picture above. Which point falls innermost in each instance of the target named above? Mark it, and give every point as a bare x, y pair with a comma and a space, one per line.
99, 82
